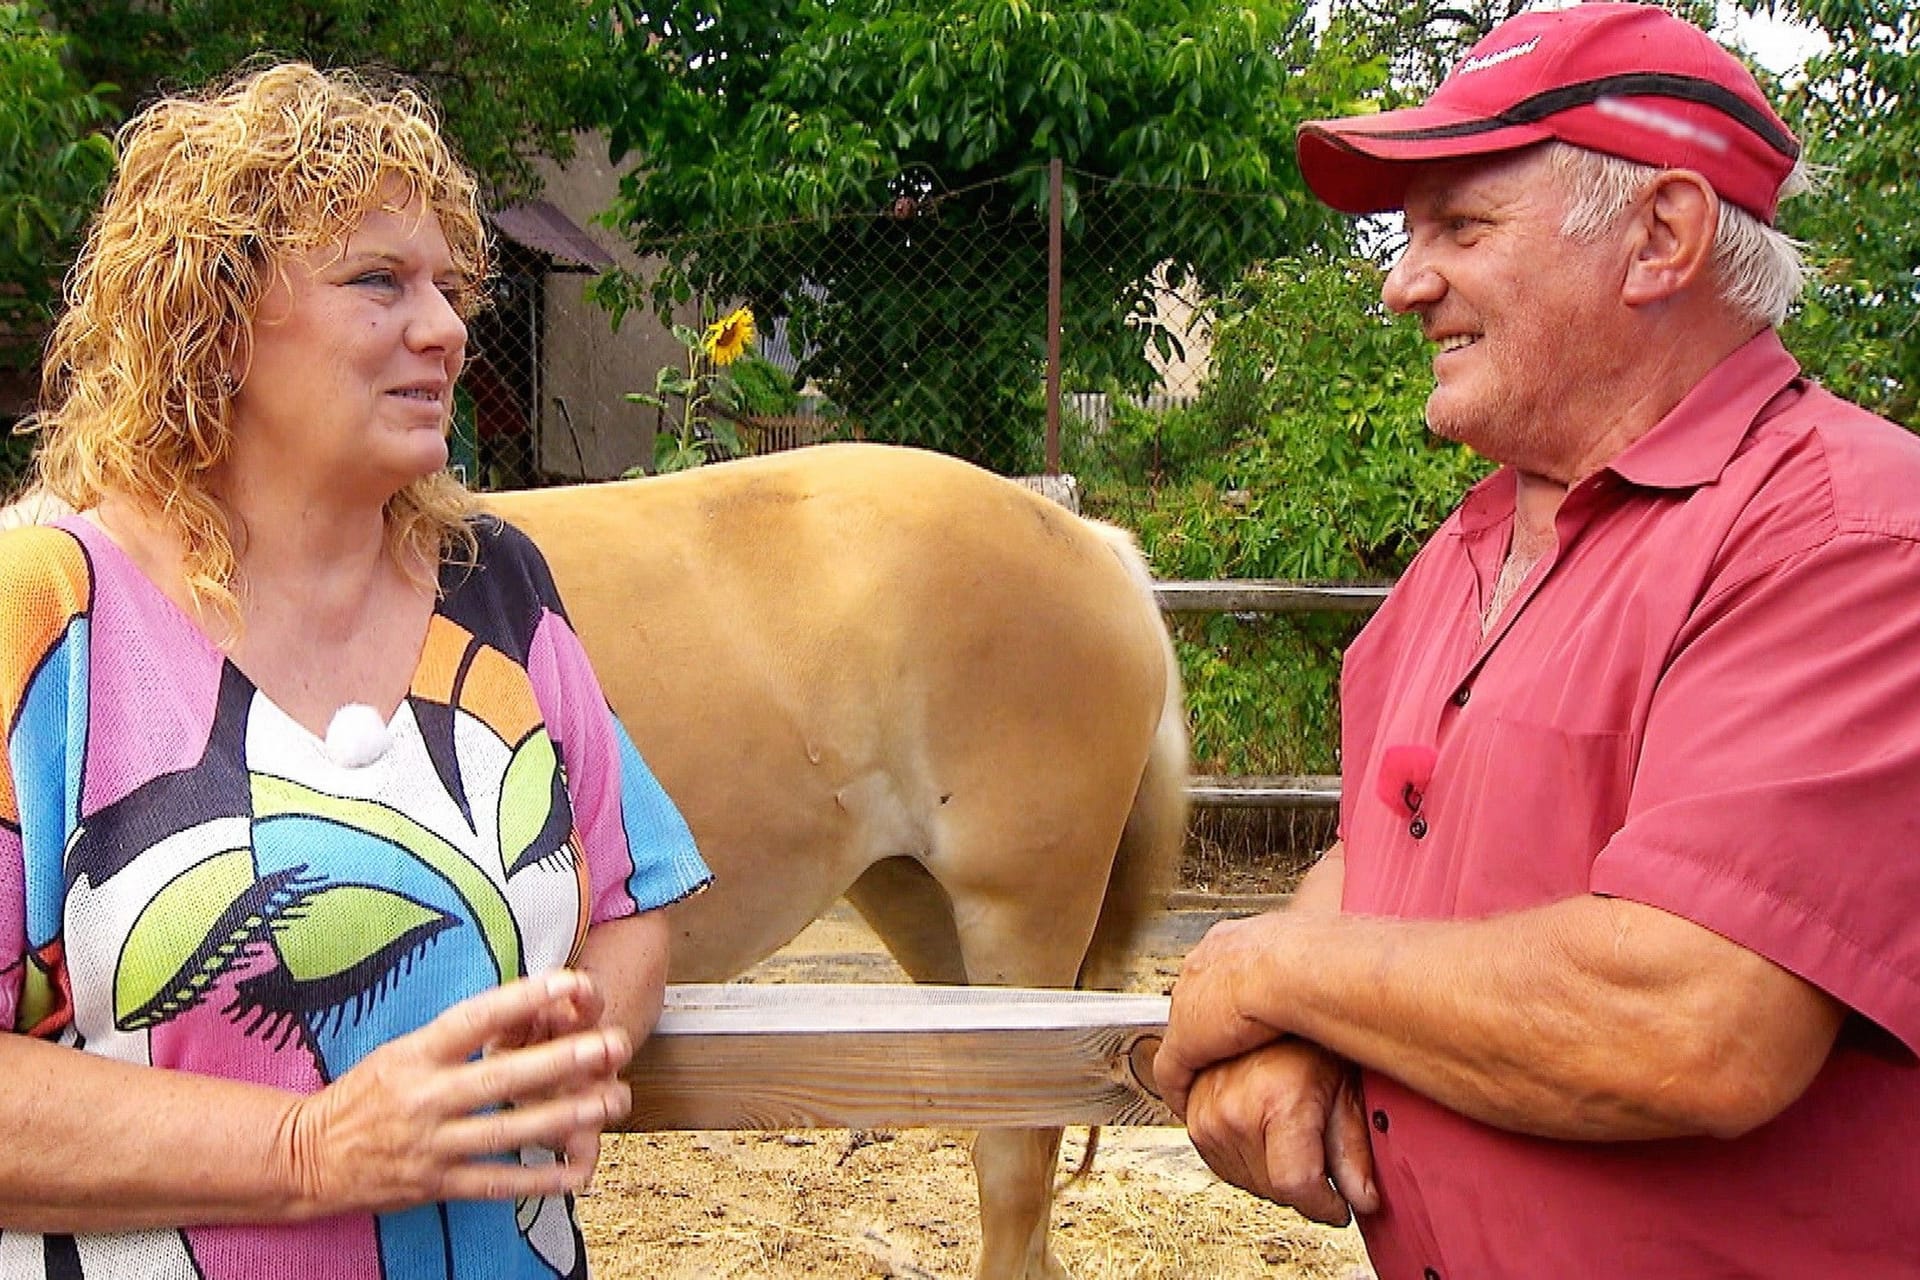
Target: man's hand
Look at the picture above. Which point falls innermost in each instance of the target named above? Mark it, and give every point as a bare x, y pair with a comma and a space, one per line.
1286, 1123
1208, 1023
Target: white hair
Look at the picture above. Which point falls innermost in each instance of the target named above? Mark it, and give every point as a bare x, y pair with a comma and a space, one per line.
1760, 271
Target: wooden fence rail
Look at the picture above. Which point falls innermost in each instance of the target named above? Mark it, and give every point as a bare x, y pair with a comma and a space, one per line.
1269, 595
1306, 791
867, 1056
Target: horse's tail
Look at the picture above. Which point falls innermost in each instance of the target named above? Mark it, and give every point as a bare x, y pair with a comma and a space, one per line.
1148, 860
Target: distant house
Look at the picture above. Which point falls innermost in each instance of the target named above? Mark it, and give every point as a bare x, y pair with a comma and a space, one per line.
549, 376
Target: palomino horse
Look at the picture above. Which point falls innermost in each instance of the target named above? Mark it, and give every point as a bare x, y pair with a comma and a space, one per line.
883, 673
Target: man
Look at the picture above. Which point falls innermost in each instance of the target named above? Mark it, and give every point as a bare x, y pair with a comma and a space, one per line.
1615, 970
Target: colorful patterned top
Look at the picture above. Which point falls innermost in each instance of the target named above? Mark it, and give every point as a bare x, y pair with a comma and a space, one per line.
189, 879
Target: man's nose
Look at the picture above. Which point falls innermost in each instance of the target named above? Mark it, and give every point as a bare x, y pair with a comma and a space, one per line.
1412, 282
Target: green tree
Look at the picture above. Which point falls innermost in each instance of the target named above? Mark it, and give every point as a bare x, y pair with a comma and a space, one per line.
1858, 105
876, 174
53, 162
509, 78
1422, 39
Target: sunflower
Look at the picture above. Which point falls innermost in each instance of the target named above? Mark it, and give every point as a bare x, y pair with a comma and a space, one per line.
728, 337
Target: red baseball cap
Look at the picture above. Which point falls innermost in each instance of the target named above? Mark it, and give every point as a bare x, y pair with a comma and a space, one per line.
1631, 80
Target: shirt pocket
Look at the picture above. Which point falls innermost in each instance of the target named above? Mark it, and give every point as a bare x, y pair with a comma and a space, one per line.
1532, 804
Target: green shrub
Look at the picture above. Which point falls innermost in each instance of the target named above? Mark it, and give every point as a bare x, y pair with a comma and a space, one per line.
763, 389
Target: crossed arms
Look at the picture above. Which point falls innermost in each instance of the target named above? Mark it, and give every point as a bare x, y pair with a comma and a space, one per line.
1592, 1018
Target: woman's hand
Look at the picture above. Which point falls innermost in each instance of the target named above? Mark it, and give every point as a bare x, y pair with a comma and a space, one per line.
442, 1114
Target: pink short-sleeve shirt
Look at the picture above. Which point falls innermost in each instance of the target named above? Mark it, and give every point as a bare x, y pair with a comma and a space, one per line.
1706, 699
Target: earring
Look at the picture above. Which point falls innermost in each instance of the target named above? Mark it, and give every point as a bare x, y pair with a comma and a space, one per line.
224, 380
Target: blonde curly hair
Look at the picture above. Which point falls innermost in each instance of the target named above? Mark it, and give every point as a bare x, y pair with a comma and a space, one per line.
214, 191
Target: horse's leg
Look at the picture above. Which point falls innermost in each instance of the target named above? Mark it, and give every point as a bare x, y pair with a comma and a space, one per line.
1007, 913
1038, 940
910, 911
1014, 1170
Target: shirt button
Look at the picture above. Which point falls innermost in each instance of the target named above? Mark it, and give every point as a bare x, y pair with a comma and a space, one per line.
1417, 828
1429, 1274
1380, 1121
1461, 695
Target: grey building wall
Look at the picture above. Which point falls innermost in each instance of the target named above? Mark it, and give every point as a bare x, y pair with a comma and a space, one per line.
584, 427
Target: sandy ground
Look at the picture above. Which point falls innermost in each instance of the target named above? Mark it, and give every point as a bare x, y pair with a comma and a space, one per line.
875, 1203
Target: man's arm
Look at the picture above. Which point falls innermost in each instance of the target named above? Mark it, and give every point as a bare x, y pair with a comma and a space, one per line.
1592, 1018
1283, 1120
1318, 892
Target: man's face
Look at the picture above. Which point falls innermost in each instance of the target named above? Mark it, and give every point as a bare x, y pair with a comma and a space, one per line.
1524, 317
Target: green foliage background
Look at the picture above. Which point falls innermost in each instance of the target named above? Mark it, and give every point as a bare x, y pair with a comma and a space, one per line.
54, 161
511, 78
877, 174
1858, 106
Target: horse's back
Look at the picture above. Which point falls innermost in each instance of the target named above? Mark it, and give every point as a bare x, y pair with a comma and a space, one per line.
849, 653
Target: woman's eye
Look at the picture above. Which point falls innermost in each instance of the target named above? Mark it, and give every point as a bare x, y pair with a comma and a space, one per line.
378, 279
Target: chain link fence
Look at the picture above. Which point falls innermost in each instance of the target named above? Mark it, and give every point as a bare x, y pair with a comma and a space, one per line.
930, 322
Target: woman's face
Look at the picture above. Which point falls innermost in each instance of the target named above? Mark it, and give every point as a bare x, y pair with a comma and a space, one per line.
356, 347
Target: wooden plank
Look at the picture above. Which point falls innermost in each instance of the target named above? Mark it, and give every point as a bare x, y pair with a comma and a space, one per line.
1268, 595
867, 1056
1214, 907
1306, 791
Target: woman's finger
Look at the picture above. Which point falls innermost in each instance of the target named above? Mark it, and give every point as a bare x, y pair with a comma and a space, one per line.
553, 1123
536, 1071
500, 1015
512, 1180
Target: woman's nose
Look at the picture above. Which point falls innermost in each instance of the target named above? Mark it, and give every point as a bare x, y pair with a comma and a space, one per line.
437, 323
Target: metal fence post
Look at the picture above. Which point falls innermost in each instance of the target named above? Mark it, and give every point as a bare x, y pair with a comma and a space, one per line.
1053, 316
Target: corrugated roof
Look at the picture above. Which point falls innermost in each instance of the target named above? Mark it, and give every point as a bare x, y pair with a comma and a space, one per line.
543, 228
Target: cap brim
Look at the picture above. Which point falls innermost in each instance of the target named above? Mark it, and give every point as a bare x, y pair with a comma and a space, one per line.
1362, 164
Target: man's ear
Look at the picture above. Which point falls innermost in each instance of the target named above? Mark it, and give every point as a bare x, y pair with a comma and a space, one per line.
1673, 237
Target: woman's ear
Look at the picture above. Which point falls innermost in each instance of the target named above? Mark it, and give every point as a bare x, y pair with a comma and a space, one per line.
1673, 244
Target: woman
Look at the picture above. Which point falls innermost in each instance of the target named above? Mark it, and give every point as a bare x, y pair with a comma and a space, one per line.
306, 772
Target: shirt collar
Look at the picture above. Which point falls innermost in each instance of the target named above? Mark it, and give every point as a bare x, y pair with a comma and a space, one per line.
1689, 447
1692, 445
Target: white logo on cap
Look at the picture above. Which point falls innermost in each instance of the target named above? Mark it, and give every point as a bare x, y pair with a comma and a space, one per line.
1660, 122
1470, 65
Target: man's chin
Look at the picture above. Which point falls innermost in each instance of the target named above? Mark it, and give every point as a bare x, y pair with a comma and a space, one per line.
1446, 421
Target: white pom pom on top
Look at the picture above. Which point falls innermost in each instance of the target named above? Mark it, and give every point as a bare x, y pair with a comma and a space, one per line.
356, 736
